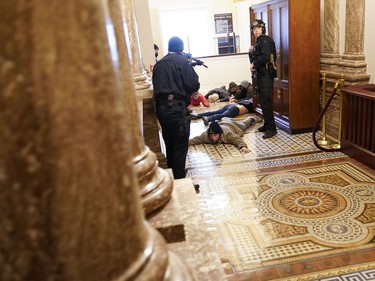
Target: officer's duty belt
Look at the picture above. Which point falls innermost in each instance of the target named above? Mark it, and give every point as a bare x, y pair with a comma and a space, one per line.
170, 100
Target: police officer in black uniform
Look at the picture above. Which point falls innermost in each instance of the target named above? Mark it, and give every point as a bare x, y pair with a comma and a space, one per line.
174, 80
262, 58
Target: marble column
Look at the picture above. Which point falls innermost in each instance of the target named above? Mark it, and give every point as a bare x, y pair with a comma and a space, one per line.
354, 29
69, 200
350, 65
353, 57
156, 184
143, 84
330, 60
331, 33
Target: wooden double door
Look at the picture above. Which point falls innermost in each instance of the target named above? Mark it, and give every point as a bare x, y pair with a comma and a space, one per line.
295, 27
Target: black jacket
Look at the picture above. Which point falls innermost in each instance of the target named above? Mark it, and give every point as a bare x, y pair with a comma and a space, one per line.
264, 47
173, 74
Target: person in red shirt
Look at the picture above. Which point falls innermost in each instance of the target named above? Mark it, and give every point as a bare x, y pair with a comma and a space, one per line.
196, 99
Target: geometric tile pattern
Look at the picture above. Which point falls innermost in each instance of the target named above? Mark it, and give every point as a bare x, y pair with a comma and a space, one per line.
283, 144
284, 203
267, 219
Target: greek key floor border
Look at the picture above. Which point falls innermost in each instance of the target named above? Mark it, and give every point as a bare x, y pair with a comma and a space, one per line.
208, 170
359, 272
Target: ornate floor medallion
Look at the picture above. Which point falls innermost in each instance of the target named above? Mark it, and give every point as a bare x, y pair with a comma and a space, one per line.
340, 232
330, 208
309, 203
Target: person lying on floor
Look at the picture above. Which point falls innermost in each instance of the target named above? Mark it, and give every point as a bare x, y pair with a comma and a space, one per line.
196, 99
244, 91
229, 110
226, 131
222, 94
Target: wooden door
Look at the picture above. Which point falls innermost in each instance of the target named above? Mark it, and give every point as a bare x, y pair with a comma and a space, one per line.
278, 30
294, 26
304, 64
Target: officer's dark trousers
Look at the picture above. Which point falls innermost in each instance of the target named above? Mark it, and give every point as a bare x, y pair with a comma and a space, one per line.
175, 131
265, 86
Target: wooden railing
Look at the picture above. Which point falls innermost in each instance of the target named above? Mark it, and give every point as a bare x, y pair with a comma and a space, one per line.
358, 123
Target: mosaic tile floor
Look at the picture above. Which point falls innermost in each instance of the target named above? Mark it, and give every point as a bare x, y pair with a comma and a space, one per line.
280, 146
284, 210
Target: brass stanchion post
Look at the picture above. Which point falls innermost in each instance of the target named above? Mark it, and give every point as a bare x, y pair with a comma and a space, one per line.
337, 145
323, 140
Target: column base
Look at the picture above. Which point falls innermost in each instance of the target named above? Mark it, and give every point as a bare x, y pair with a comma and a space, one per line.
157, 262
155, 183
181, 220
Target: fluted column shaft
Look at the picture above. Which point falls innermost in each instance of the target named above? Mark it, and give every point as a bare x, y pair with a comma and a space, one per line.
141, 79
143, 83
155, 183
69, 201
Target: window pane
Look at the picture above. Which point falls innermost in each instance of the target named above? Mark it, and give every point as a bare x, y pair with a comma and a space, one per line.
193, 26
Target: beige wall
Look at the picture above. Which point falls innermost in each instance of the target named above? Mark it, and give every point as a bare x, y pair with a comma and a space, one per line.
223, 70
370, 39
146, 39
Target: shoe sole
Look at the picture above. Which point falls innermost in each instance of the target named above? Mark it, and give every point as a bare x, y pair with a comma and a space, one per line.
262, 129
269, 136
